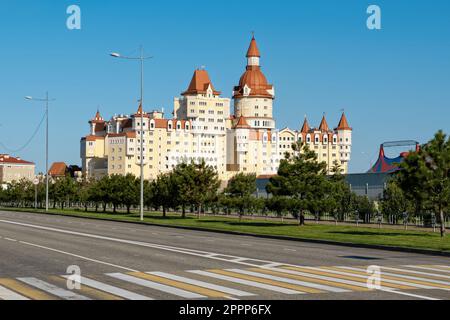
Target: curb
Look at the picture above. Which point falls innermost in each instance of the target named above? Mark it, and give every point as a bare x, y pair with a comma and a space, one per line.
274, 237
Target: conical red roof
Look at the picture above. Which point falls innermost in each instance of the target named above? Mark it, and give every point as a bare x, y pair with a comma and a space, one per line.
343, 123
324, 125
253, 50
98, 118
305, 128
242, 123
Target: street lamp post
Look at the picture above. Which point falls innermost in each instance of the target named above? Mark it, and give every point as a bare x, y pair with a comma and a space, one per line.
141, 59
46, 100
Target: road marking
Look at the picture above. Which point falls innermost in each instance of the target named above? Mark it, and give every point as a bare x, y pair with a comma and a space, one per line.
430, 268
412, 272
245, 282
54, 290
25, 290
198, 253
409, 279
77, 256
298, 288
156, 286
207, 285
316, 279
386, 280
410, 294
9, 239
85, 290
6, 294
180, 285
347, 276
291, 281
111, 289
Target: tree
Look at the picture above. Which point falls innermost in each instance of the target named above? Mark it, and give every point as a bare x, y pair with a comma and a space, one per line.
64, 191
394, 200
130, 191
196, 183
302, 177
425, 176
162, 191
241, 188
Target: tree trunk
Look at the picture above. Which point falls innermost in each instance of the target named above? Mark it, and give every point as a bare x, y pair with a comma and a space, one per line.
164, 211
128, 209
442, 217
85, 207
199, 211
183, 210
114, 208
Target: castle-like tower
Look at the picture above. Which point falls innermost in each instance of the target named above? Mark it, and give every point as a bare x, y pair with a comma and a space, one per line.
253, 97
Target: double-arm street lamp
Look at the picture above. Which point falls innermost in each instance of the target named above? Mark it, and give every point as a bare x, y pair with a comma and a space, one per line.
141, 59
46, 100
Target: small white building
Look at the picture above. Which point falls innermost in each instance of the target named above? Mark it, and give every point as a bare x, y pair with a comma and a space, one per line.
15, 169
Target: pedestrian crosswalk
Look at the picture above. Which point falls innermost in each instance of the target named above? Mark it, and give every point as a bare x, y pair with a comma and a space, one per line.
245, 283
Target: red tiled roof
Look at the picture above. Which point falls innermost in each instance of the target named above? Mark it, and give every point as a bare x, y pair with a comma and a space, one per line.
58, 169
324, 125
93, 138
6, 158
253, 50
305, 128
343, 123
200, 83
242, 123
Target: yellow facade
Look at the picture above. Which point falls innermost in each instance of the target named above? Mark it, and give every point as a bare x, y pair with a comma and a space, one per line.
202, 129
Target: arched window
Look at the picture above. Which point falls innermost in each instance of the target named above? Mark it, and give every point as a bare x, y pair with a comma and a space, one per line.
152, 124
325, 139
308, 138
178, 125
316, 139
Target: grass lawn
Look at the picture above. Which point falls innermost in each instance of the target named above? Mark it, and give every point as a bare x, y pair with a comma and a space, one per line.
347, 234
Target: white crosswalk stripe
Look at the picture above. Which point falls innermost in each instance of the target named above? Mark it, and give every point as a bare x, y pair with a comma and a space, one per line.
428, 268
111, 289
291, 281
53, 290
156, 286
321, 277
6, 294
207, 285
404, 283
417, 272
245, 282
402, 276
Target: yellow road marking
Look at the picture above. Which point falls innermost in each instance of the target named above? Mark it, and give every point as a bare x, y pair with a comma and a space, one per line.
345, 277
86, 290
267, 281
412, 274
309, 279
25, 290
426, 283
180, 285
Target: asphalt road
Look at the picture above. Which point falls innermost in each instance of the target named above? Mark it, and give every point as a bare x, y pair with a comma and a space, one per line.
130, 261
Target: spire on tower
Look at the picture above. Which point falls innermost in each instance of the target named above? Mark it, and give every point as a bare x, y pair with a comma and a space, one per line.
324, 125
253, 50
343, 123
305, 127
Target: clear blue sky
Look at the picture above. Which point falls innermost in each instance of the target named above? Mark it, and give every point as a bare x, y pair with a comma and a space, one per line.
394, 83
